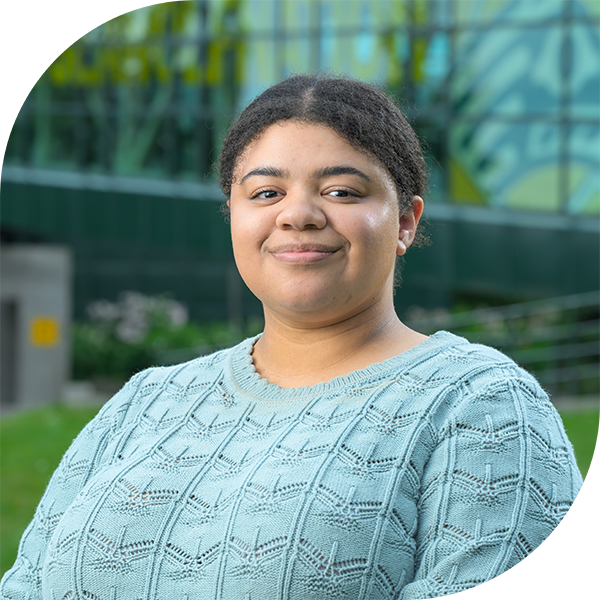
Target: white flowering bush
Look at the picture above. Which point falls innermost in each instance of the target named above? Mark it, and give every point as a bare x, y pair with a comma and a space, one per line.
137, 331
134, 316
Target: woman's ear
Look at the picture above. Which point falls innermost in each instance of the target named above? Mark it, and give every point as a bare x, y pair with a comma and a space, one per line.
409, 221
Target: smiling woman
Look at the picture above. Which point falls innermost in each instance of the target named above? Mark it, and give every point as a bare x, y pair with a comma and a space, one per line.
339, 454
315, 226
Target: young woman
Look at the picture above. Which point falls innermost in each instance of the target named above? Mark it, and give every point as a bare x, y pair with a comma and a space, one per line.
338, 455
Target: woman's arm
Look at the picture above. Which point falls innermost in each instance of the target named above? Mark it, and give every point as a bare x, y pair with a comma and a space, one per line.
501, 478
85, 456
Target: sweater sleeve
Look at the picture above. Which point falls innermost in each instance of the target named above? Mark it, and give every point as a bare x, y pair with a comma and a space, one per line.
86, 455
500, 479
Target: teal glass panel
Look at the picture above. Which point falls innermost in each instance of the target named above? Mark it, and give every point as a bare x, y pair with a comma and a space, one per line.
497, 12
438, 14
298, 52
255, 15
298, 44
506, 165
584, 72
584, 170
586, 8
510, 71
418, 68
352, 15
430, 74
433, 136
259, 68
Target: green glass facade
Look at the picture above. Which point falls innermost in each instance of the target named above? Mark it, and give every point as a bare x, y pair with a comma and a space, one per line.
122, 129
506, 92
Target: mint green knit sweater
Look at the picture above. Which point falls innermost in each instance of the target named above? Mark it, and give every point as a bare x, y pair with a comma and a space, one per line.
417, 477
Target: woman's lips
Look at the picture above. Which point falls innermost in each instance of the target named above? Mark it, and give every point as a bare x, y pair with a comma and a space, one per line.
302, 253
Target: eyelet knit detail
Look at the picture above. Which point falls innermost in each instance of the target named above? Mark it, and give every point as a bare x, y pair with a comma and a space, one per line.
416, 477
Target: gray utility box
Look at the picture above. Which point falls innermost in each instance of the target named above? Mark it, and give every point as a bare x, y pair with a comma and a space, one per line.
35, 318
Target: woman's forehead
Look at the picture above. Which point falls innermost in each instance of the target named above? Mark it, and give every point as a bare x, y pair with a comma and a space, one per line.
288, 145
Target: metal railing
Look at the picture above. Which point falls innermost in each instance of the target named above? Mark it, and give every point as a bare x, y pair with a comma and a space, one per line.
558, 339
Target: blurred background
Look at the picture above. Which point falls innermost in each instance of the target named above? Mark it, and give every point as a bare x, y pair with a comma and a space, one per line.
115, 255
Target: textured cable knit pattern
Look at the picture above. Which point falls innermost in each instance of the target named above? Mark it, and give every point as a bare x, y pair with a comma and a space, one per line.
417, 477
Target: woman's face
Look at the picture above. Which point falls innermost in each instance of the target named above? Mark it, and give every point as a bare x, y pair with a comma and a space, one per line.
315, 224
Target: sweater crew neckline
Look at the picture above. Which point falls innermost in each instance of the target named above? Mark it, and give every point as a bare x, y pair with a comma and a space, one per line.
244, 376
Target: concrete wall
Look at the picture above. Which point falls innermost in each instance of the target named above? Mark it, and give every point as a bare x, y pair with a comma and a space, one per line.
35, 298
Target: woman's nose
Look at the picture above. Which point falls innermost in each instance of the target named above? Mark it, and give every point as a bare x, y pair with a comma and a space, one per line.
301, 211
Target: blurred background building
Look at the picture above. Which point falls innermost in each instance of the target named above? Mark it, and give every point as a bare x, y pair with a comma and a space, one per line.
112, 152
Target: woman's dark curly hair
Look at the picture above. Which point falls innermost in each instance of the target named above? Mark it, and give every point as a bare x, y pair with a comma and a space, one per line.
360, 113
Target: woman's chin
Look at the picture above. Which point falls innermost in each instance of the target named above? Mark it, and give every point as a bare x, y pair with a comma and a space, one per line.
312, 308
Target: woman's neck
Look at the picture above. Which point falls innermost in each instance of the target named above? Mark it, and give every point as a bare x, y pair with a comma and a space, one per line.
293, 355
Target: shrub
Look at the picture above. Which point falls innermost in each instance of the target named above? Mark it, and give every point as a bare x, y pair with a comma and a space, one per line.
121, 338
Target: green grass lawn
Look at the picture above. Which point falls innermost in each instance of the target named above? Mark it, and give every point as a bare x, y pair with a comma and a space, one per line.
31, 446
32, 443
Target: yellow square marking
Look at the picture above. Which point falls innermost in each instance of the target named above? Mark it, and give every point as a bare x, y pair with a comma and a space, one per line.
44, 331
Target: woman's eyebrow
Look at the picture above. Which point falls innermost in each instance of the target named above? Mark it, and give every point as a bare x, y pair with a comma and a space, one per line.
340, 170
265, 171
268, 171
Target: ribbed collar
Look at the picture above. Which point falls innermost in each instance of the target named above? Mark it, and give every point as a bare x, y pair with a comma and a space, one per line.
243, 375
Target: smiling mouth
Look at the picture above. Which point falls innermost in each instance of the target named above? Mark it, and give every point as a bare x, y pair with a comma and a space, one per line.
303, 253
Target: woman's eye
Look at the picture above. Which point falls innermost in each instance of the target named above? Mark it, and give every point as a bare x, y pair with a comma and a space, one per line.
264, 194
342, 194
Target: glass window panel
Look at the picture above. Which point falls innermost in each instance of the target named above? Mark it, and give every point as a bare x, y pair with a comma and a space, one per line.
348, 15
296, 16
349, 37
430, 68
488, 12
249, 15
436, 191
396, 48
433, 142
584, 75
58, 130
587, 8
298, 52
424, 13
584, 170
302, 33
362, 55
394, 13
504, 164
259, 69
351, 14
508, 71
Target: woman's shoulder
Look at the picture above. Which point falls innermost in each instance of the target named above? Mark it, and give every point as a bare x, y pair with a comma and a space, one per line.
451, 348
167, 381
476, 380
491, 388
455, 358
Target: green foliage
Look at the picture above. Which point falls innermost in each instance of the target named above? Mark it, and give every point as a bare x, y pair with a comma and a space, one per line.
138, 331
